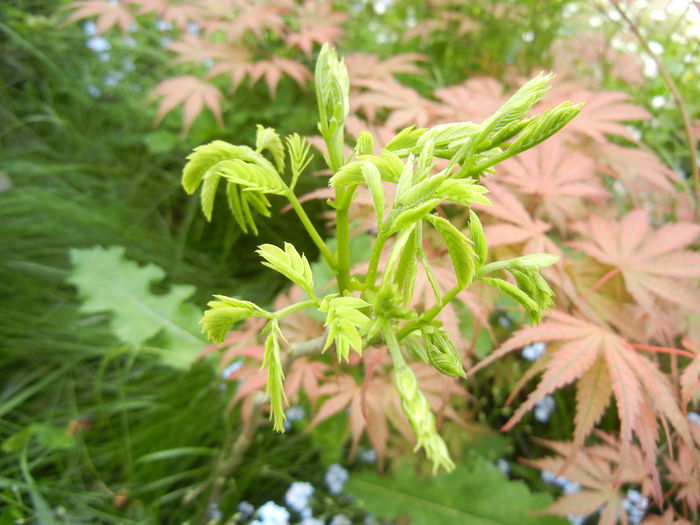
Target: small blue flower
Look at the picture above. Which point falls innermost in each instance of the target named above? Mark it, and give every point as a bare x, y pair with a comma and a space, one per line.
90, 28
335, 478
112, 78
576, 520
93, 91
133, 27
98, 44
166, 41
246, 509
193, 28
207, 62
368, 456
340, 519
163, 25
534, 351
570, 487
311, 521
214, 512
129, 65
272, 514
298, 495
636, 506
295, 413
230, 369
694, 417
104, 57
503, 466
505, 321
544, 408
129, 41
552, 479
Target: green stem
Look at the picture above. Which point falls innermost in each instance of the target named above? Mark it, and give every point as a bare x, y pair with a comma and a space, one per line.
318, 241
374, 260
430, 314
342, 234
279, 314
392, 343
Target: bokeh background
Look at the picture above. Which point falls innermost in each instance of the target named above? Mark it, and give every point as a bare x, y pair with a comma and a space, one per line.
107, 415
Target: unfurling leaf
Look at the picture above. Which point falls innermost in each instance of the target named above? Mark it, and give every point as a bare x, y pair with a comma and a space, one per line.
241, 166
268, 139
417, 409
408, 216
405, 141
225, 312
464, 192
332, 89
443, 354
461, 251
345, 322
519, 104
289, 263
205, 157
533, 312
545, 126
476, 232
275, 377
389, 165
365, 144
373, 179
299, 157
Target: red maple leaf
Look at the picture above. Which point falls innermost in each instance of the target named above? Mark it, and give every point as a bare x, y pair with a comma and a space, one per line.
652, 262
193, 93
108, 14
605, 366
516, 225
557, 178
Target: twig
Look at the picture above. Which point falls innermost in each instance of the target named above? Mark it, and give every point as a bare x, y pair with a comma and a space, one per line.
683, 110
227, 463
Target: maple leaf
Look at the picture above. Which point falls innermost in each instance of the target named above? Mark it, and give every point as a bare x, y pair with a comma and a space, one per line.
457, 24
685, 473
364, 66
517, 226
599, 471
605, 366
318, 23
406, 106
603, 112
253, 17
474, 100
558, 179
179, 13
193, 93
644, 176
273, 69
375, 402
668, 518
195, 49
108, 14
651, 262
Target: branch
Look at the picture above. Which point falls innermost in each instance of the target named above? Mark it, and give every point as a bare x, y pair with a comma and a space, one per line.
683, 110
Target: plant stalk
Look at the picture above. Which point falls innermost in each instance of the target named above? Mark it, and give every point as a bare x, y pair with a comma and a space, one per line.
308, 225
